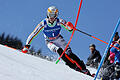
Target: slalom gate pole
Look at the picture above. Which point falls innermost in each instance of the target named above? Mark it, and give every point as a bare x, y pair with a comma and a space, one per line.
72, 32
102, 60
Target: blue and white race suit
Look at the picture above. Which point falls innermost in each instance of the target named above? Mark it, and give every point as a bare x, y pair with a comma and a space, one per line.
52, 35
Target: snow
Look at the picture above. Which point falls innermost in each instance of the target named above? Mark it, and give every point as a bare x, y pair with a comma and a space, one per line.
15, 65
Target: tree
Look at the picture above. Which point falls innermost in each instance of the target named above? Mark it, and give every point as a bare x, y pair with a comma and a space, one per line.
7, 40
2, 38
32, 50
10, 41
39, 52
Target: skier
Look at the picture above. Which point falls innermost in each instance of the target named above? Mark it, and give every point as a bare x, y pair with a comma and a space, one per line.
51, 27
112, 72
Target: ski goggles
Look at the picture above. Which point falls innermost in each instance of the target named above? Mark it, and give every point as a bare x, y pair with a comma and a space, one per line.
51, 15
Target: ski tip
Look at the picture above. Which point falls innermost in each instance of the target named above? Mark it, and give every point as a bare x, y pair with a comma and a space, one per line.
57, 61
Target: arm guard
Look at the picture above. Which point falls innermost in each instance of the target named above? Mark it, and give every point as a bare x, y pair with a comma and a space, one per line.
36, 31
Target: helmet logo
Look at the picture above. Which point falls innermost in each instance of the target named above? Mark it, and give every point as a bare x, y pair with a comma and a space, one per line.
49, 10
56, 11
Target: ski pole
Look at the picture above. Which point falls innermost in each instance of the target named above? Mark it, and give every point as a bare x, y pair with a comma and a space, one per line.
91, 36
72, 32
105, 53
94, 37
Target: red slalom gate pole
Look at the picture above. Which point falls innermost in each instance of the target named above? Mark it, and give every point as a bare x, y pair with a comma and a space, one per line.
72, 32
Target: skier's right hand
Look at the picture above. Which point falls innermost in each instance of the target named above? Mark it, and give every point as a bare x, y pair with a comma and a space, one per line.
26, 48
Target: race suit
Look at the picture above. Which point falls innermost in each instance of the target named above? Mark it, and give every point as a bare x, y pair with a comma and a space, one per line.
55, 41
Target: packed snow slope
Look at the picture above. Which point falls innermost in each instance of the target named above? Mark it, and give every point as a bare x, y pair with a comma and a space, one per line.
15, 65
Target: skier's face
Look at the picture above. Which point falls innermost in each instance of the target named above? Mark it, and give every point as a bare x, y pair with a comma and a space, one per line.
52, 19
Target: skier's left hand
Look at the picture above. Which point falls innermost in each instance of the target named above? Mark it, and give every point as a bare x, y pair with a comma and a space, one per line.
70, 25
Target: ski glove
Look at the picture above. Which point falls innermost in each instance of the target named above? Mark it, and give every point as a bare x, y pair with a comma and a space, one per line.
26, 48
70, 26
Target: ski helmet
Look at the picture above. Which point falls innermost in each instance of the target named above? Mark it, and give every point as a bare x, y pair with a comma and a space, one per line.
52, 12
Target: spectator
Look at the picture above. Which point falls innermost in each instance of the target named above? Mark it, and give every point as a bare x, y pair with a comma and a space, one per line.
112, 71
94, 58
110, 56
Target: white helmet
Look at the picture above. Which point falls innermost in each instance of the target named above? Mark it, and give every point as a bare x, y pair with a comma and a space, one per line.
52, 12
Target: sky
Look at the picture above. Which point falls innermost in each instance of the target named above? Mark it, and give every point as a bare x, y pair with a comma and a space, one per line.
97, 17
